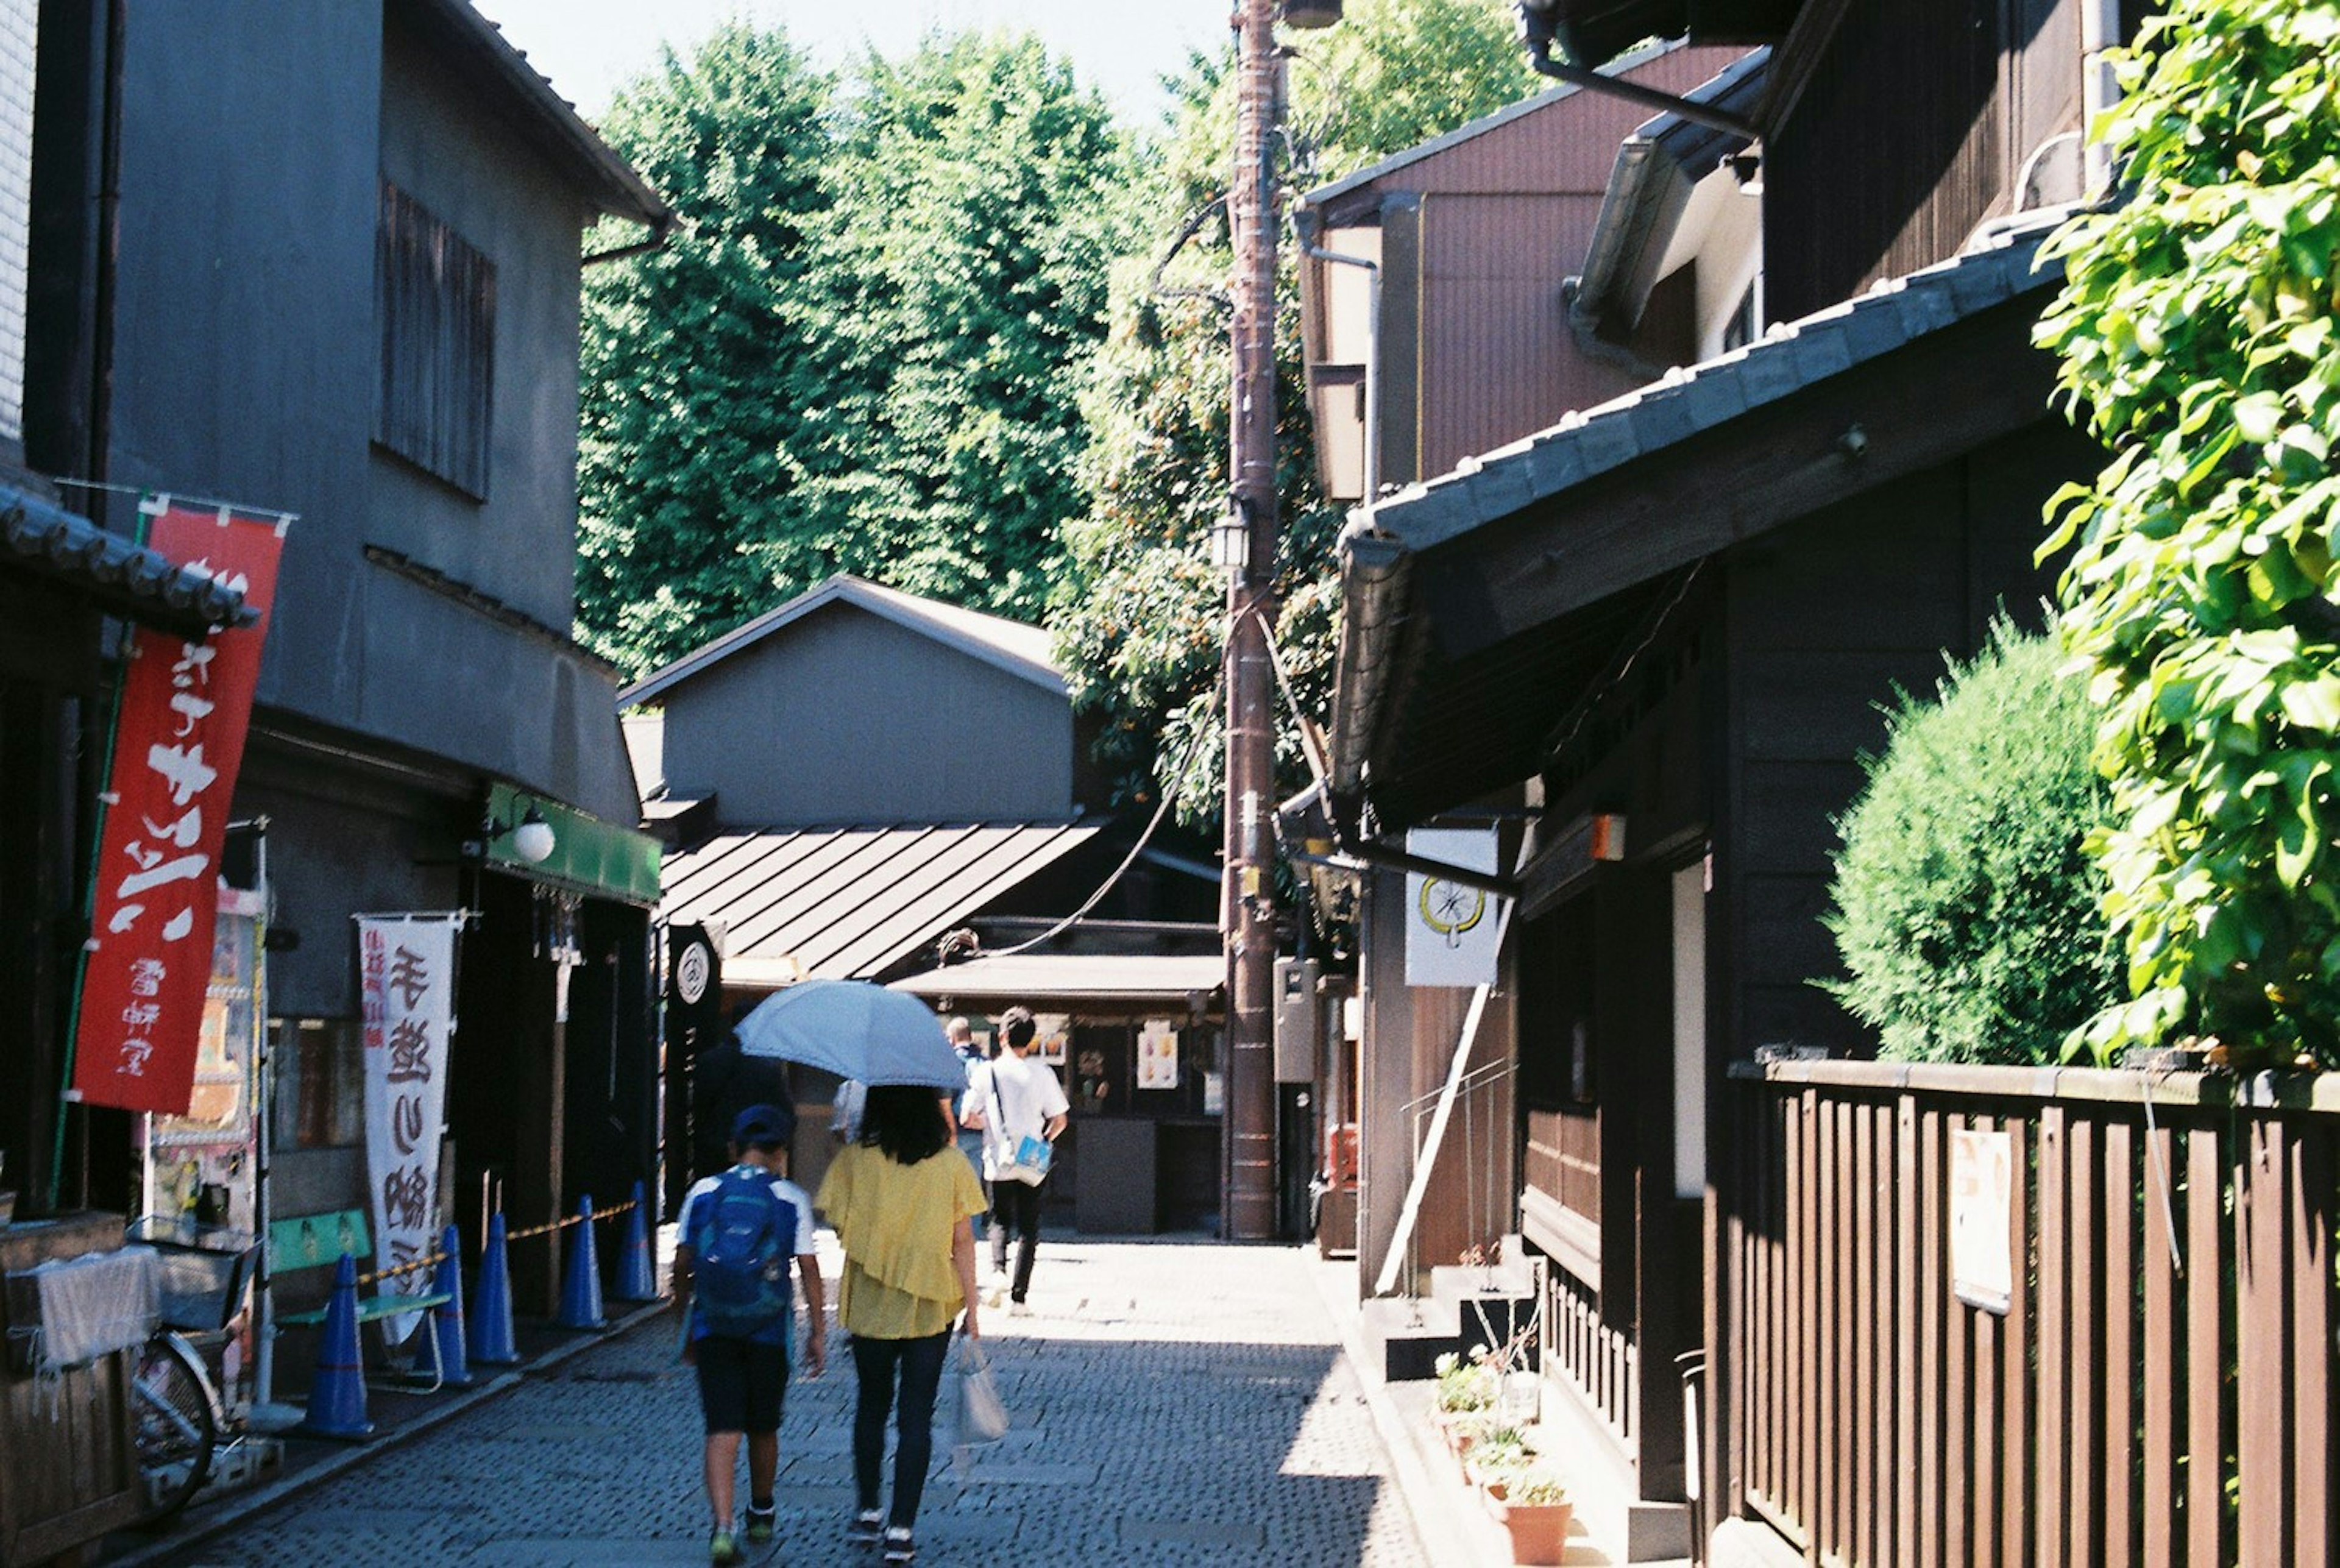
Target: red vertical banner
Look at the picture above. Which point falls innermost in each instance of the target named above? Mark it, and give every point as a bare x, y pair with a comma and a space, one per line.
178, 741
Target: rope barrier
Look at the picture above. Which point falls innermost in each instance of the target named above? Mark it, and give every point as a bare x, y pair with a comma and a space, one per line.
378, 1276
524, 1233
437, 1257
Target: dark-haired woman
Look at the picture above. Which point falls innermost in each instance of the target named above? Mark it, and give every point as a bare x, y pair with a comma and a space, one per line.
901, 1199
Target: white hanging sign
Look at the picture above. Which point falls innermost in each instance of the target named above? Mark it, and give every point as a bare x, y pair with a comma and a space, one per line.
1982, 1199
406, 987
1451, 931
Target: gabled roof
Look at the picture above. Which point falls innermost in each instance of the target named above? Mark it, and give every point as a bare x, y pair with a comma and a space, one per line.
551, 122
1478, 127
1010, 645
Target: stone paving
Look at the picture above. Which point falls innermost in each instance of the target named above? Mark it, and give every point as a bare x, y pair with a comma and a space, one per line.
1175, 1403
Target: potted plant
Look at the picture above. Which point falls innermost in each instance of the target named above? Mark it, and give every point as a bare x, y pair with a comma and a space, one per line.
1534, 1506
1494, 1460
1464, 1391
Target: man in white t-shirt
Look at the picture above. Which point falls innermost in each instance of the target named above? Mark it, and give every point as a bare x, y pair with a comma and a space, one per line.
1027, 1101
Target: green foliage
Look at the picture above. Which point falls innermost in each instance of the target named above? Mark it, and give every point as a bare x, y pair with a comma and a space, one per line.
861, 351
698, 357
1964, 906
975, 232
2196, 333
1138, 614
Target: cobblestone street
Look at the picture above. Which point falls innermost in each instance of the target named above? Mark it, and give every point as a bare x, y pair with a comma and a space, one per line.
1174, 1404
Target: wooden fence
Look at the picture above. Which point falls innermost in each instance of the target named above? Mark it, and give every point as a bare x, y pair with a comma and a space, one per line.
2159, 1388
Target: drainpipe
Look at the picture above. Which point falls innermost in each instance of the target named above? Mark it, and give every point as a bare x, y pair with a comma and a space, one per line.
2099, 32
1306, 225
1539, 30
656, 240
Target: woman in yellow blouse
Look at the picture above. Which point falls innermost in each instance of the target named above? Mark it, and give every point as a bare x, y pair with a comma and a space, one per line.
900, 1199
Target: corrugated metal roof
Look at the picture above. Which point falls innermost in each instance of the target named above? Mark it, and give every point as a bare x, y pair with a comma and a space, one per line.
1033, 979
846, 902
1010, 645
120, 573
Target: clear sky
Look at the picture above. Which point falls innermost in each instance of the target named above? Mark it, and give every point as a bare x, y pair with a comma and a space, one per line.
589, 48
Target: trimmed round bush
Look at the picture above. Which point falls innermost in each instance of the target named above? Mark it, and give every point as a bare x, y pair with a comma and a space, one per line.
1964, 907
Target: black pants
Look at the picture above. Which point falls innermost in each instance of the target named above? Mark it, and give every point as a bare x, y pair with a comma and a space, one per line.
921, 1364
1015, 1205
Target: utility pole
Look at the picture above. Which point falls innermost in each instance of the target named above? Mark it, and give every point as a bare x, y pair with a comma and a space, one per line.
1246, 908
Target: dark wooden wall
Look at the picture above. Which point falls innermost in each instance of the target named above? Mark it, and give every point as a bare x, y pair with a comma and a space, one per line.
1601, 958
1826, 619
1912, 130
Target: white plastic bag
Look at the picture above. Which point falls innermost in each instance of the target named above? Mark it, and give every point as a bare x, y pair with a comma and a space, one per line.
977, 1415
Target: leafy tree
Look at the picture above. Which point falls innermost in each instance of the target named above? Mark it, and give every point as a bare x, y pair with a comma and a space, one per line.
975, 222
701, 358
861, 351
2197, 328
1138, 614
1965, 908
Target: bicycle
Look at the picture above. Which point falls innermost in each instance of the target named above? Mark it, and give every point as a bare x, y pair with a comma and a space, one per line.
177, 1416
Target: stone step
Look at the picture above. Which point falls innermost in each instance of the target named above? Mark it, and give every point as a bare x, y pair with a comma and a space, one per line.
1405, 1334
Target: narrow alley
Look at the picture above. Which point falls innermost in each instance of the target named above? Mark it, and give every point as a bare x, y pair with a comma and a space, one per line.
1174, 1404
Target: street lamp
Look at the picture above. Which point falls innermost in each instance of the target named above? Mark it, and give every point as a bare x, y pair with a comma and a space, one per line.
1311, 12
531, 836
1231, 538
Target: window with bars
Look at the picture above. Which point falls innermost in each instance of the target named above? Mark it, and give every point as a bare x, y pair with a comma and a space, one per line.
435, 315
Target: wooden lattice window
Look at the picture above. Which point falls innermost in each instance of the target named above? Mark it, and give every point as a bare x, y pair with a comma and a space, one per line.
435, 312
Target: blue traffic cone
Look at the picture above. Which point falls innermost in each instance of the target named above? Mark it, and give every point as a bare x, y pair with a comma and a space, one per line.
337, 1395
447, 1280
492, 1308
637, 1278
580, 1288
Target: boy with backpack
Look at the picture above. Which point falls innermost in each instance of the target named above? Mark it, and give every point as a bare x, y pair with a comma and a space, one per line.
739, 1229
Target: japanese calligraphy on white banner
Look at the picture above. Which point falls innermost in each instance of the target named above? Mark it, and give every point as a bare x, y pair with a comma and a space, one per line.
1451, 931
406, 975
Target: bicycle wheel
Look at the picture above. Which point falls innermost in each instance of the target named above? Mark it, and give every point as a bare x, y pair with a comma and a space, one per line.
174, 1423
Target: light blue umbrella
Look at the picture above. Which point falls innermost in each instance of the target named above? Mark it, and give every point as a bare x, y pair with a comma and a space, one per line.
856, 1030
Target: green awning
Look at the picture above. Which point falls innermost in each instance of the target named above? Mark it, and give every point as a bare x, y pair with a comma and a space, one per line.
589, 855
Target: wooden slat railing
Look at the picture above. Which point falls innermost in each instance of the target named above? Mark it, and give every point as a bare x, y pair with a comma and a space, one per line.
2161, 1388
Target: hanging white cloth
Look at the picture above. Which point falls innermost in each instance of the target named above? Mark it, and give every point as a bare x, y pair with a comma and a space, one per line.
94, 1304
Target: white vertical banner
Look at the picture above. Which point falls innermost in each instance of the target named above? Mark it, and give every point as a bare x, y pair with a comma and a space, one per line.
406, 986
1451, 933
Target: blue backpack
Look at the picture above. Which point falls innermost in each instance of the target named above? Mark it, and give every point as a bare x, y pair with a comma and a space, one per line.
742, 1235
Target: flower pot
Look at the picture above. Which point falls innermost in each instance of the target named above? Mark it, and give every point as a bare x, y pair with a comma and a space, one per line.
1539, 1531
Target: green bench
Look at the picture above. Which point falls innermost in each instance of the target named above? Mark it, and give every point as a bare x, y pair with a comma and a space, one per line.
295, 1245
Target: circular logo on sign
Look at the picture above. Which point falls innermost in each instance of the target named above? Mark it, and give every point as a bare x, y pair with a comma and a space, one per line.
691, 970
1450, 909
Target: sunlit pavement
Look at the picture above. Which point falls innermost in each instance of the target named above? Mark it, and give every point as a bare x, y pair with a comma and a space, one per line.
1173, 1403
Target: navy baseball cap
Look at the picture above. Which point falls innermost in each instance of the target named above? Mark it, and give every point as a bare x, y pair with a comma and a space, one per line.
763, 1126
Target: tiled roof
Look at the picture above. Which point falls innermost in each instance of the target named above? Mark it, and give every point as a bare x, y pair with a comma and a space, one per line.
123, 575
1783, 362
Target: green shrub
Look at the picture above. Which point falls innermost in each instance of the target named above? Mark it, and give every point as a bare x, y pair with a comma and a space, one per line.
1964, 907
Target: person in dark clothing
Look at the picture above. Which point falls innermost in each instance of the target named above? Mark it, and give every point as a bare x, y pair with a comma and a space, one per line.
724, 1081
